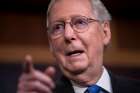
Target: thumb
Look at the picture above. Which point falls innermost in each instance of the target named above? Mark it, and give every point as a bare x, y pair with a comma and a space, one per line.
28, 65
50, 71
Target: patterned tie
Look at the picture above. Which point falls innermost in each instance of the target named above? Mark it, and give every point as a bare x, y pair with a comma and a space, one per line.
95, 89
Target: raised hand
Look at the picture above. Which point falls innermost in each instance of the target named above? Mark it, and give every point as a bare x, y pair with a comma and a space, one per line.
35, 81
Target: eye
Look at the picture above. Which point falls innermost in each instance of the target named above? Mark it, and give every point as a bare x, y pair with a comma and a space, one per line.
80, 23
57, 28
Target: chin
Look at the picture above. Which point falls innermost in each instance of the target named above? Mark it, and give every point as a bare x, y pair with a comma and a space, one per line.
76, 69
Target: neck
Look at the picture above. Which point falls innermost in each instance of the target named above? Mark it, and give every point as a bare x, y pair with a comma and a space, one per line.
86, 79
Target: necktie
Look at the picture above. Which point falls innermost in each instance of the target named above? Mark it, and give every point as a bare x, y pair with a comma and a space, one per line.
95, 89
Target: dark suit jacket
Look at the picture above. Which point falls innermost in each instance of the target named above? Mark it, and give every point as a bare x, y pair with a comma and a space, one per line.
119, 85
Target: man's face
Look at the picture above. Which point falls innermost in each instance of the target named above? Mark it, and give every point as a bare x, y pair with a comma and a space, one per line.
78, 52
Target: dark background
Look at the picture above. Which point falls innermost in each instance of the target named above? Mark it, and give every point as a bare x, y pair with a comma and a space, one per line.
22, 25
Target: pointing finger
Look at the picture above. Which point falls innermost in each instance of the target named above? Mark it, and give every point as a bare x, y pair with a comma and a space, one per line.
28, 65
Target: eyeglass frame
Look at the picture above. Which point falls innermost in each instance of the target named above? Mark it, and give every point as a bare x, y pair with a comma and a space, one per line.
72, 25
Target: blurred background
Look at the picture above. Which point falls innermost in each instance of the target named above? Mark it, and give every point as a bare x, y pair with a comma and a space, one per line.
22, 31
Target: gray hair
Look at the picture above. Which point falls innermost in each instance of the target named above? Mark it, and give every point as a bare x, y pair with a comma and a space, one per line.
99, 10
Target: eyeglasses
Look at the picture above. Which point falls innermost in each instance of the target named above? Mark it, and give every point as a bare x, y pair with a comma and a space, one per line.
78, 23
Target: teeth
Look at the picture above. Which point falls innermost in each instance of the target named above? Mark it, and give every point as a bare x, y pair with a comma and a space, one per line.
76, 52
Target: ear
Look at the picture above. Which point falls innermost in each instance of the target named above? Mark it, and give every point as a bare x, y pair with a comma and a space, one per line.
106, 32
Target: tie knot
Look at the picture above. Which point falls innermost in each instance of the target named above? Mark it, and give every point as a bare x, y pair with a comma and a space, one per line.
93, 89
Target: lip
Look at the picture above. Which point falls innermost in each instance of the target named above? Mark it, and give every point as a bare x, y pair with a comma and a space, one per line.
74, 53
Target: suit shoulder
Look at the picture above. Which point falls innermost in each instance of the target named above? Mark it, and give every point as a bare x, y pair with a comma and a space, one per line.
125, 85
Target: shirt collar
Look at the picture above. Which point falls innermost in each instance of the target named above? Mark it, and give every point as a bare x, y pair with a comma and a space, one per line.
103, 82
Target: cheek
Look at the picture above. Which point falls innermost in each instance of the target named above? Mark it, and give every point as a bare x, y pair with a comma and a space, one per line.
93, 40
95, 37
58, 49
56, 45
93, 43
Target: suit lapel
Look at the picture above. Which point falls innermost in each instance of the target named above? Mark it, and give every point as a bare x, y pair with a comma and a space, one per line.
122, 85
114, 84
63, 86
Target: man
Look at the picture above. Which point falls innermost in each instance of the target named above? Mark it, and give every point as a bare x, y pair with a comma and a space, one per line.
78, 32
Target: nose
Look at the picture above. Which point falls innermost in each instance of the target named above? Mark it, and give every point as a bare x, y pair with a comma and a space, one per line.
69, 33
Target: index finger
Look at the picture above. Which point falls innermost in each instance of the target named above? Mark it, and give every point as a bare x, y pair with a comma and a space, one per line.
28, 65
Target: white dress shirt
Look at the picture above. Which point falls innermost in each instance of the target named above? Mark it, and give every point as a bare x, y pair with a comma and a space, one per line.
103, 82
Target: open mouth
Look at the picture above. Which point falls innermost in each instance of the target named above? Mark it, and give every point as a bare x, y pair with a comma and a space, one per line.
74, 53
